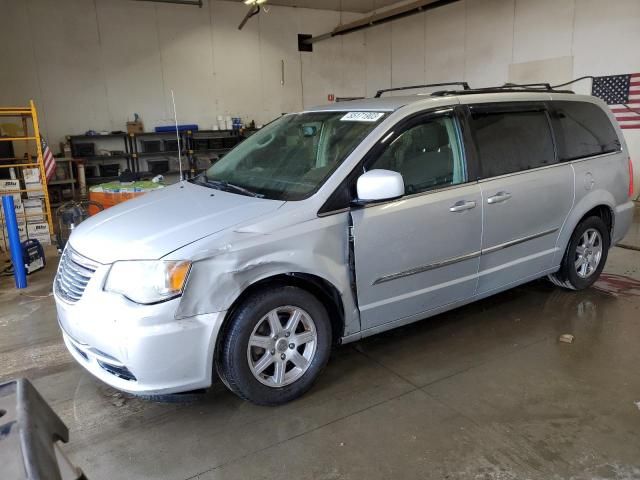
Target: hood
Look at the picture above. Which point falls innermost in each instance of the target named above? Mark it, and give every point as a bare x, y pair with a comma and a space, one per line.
159, 222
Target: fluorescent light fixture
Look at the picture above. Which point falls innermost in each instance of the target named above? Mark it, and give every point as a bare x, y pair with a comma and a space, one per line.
254, 2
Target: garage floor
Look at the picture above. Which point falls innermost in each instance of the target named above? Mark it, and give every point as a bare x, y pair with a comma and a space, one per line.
483, 392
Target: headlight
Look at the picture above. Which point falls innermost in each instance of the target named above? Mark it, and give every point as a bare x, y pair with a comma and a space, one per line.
147, 282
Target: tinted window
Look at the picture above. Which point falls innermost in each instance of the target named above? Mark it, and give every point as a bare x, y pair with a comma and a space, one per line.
512, 141
427, 154
583, 129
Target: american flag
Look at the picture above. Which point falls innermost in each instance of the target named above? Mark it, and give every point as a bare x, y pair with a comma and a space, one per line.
618, 91
49, 161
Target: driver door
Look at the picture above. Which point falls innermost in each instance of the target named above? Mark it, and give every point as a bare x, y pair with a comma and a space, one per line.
422, 251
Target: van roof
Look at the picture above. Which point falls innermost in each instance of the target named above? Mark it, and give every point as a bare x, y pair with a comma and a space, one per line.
392, 103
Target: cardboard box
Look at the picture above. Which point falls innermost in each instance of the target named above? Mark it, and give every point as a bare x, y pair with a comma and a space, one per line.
21, 222
18, 207
32, 202
40, 232
7, 185
135, 127
22, 231
34, 229
31, 175
44, 240
34, 190
65, 149
11, 187
33, 210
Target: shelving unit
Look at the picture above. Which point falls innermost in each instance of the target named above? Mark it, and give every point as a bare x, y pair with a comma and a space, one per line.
131, 149
62, 183
42, 218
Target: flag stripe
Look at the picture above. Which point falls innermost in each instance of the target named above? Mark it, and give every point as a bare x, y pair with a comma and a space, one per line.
626, 126
621, 110
635, 118
48, 160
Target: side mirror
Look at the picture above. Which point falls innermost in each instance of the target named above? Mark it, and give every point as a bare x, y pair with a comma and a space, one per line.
376, 185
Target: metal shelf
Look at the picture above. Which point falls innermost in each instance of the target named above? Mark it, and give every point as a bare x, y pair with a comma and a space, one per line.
94, 180
67, 181
111, 135
151, 154
103, 157
133, 143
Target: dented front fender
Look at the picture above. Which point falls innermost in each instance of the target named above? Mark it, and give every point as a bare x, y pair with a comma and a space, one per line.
225, 265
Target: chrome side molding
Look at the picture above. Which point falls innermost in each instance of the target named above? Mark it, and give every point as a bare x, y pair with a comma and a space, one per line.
426, 268
511, 243
461, 258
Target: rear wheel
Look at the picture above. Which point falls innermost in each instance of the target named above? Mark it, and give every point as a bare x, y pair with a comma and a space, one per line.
585, 256
277, 343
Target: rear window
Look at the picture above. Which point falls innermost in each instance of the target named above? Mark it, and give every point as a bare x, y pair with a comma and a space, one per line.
582, 130
512, 141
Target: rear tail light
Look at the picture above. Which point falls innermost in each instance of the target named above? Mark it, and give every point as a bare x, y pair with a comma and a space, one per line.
630, 178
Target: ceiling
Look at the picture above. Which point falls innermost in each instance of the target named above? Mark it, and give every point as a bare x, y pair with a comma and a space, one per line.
361, 6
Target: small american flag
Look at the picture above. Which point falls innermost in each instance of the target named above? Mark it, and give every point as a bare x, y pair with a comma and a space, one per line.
49, 161
618, 91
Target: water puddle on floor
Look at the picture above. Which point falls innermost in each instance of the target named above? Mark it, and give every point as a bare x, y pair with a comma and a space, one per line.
618, 285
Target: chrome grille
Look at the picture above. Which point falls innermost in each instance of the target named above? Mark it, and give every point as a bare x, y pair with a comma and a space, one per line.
74, 272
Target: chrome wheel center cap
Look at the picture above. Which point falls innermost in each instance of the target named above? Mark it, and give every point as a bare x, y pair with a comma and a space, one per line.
282, 345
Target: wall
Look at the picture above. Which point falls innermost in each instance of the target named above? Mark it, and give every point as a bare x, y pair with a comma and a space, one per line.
489, 42
93, 63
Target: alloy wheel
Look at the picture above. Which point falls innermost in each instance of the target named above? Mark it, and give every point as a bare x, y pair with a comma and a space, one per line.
282, 346
588, 253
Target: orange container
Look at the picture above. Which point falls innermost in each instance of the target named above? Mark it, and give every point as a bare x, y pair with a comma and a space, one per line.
113, 193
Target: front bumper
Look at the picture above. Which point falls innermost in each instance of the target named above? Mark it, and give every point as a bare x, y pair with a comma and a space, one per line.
140, 349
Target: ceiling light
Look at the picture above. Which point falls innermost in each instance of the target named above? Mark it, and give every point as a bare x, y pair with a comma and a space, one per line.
254, 2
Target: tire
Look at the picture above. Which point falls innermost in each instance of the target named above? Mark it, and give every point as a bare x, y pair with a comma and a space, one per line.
578, 276
279, 366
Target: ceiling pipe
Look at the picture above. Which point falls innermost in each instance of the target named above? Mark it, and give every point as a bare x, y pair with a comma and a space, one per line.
195, 3
253, 10
382, 17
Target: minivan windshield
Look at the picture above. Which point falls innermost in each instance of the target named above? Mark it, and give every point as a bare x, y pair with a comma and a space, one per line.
292, 156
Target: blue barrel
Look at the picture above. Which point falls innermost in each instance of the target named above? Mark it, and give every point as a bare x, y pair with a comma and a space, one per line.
19, 272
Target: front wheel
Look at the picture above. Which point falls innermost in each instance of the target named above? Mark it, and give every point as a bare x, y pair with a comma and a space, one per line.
585, 256
276, 344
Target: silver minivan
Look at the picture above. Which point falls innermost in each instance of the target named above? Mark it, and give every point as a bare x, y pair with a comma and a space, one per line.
337, 223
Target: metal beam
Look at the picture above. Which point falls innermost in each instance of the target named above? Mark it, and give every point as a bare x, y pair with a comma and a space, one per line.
195, 3
383, 17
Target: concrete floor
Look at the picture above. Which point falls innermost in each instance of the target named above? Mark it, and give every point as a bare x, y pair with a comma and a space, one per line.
483, 392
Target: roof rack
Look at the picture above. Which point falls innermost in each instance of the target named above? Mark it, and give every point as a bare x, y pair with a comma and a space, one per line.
379, 93
507, 87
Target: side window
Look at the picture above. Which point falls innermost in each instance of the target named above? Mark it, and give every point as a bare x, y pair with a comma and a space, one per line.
582, 130
512, 141
427, 154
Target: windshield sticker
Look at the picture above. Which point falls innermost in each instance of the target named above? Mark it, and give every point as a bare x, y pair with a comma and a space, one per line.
362, 117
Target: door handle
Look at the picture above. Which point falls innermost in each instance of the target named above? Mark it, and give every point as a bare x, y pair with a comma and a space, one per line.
499, 197
462, 205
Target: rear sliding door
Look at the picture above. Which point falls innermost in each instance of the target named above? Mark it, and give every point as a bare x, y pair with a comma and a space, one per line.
526, 193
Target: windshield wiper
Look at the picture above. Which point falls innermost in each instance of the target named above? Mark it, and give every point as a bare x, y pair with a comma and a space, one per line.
226, 186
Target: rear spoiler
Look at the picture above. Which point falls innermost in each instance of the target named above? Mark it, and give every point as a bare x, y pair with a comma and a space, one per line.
29, 432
